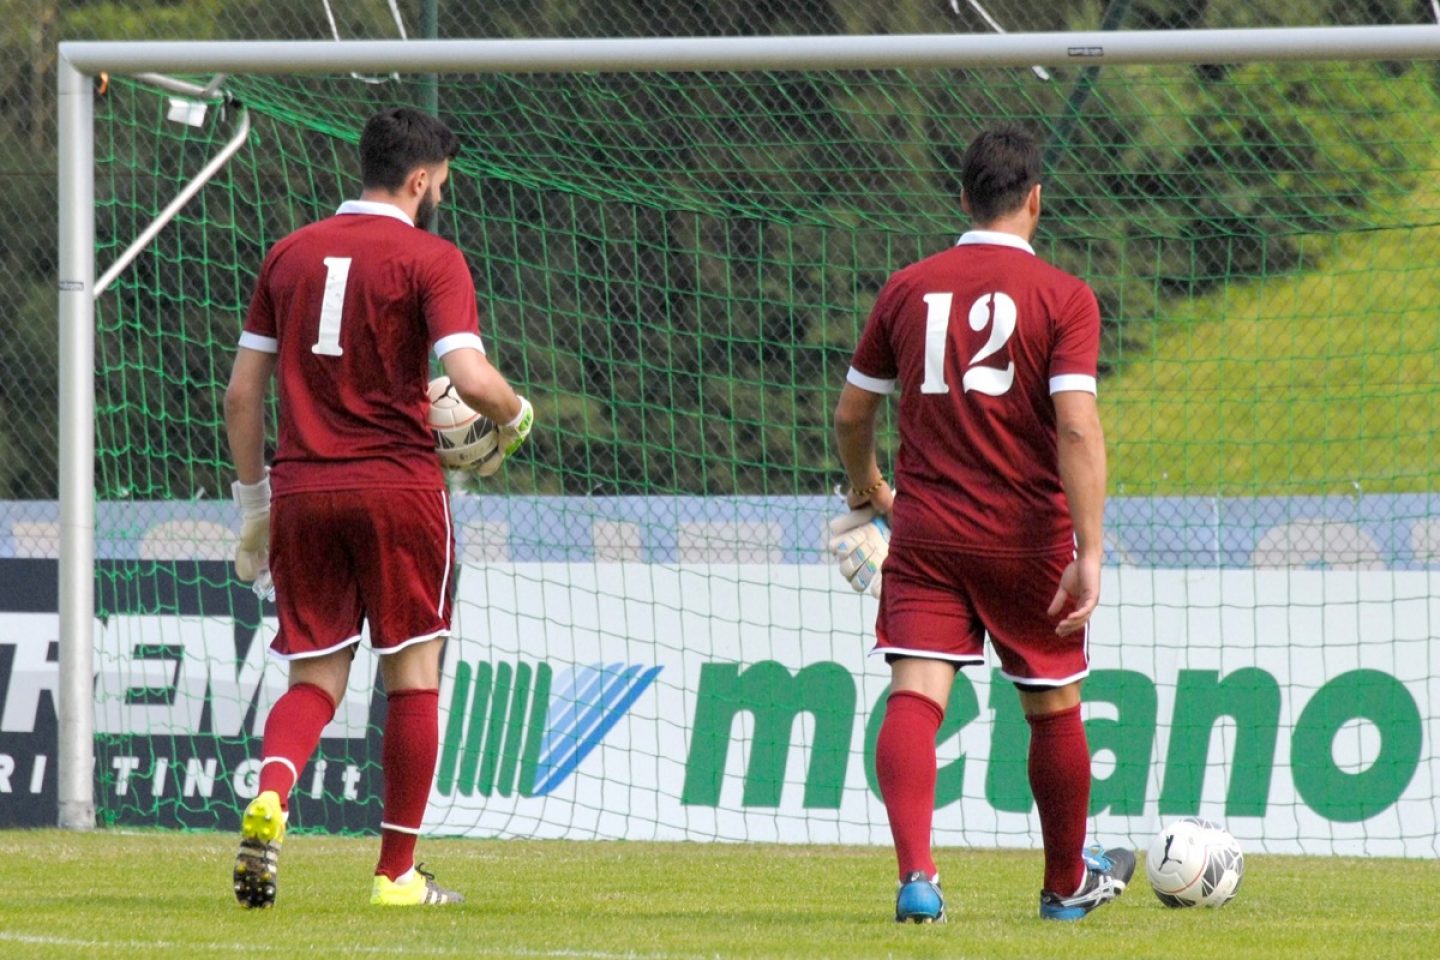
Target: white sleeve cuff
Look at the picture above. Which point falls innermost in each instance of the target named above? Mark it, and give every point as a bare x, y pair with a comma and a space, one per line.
458, 341
253, 341
1078, 382
866, 382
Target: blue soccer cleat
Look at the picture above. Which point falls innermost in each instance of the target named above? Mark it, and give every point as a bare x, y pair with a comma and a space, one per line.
1106, 875
919, 900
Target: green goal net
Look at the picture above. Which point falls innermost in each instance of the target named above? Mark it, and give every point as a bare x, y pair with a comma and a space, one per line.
650, 642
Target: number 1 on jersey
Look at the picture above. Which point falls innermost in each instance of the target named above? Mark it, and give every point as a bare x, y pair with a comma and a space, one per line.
995, 310
937, 331
337, 274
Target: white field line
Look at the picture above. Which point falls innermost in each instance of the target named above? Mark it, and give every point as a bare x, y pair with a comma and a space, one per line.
412, 949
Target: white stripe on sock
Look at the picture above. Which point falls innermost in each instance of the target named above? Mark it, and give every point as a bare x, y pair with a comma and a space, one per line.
294, 774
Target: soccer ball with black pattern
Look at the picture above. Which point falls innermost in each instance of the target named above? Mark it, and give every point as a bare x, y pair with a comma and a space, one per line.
464, 439
1195, 863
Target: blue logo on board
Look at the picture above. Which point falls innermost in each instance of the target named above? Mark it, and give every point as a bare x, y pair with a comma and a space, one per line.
526, 728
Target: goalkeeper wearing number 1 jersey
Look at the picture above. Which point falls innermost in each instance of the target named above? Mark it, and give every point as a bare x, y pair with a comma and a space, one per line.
343, 318
995, 521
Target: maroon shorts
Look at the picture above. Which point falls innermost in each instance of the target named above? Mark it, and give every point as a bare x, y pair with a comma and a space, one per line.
940, 605
343, 557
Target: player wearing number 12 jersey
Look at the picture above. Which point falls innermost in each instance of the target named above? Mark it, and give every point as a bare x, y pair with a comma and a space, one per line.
995, 516
344, 317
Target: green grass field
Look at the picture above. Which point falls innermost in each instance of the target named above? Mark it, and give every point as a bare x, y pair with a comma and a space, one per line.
158, 894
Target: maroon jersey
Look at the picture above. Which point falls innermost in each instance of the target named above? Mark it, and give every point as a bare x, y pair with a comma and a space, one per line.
979, 337
351, 305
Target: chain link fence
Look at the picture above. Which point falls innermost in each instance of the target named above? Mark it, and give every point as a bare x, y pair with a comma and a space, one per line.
28, 341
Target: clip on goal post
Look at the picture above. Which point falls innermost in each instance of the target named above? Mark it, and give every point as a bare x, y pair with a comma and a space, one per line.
80, 62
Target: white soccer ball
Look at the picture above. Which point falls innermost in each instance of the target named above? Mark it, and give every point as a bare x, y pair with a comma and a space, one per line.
1195, 863
464, 439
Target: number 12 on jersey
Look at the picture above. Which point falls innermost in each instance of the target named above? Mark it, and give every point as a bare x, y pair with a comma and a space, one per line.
995, 310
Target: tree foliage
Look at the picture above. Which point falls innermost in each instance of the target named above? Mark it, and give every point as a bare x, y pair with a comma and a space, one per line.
674, 267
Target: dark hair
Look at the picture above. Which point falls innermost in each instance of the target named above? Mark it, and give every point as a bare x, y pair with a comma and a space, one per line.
398, 140
998, 169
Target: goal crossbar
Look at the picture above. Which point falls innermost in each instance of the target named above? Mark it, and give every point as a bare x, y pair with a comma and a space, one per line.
758, 53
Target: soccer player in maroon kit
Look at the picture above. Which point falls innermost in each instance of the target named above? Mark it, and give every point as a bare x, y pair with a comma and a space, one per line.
995, 516
344, 314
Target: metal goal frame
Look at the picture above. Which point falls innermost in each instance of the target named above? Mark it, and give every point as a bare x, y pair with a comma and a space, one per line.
80, 62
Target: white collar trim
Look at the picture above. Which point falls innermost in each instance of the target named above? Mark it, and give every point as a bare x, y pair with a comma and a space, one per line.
997, 237
375, 208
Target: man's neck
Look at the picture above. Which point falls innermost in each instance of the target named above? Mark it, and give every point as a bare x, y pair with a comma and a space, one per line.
1020, 227
385, 196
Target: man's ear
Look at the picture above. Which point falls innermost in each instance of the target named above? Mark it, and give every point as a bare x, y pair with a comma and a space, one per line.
965, 202
1033, 202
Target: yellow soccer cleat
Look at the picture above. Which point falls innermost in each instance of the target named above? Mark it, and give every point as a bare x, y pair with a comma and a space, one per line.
420, 890
257, 863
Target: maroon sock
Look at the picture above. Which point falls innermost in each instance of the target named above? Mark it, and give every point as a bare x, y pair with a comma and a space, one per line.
905, 767
1060, 780
412, 738
292, 731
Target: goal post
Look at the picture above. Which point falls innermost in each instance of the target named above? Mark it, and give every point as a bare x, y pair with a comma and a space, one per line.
615, 541
76, 319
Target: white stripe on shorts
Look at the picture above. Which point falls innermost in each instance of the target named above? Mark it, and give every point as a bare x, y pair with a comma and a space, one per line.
449, 535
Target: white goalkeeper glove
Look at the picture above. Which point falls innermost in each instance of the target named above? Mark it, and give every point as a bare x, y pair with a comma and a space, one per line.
512, 435
860, 541
252, 553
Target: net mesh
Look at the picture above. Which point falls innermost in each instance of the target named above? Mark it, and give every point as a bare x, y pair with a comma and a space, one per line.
675, 268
